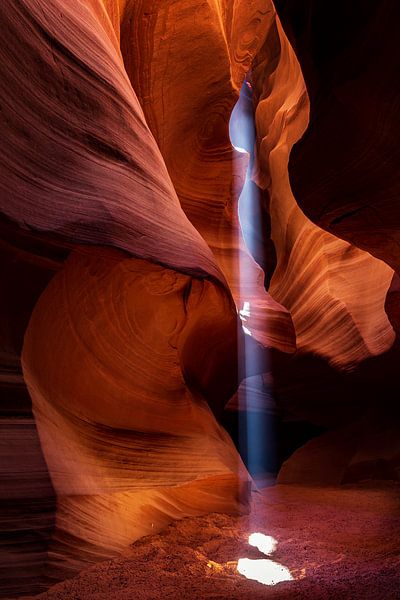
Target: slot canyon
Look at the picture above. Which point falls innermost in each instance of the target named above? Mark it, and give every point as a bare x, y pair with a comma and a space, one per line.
200, 300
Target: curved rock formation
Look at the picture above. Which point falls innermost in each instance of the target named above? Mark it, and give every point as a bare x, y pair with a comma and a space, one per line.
115, 145
335, 293
80, 165
318, 278
128, 446
78, 158
188, 80
349, 57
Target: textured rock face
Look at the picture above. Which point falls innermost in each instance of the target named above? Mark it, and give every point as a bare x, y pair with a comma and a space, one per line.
78, 158
26, 493
81, 165
187, 81
116, 153
104, 383
318, 278
350, 65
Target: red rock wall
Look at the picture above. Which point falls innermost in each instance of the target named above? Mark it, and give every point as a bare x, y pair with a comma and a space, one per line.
350, 63
128, 446
116, 153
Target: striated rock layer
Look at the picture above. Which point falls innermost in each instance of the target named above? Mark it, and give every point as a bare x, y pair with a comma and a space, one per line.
335, 293
80, 165
27, 499
187, 80
344, 172
78, 157
127, 444
115, 135
318, 278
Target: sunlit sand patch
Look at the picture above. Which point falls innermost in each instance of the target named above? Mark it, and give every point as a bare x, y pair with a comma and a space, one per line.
265, 571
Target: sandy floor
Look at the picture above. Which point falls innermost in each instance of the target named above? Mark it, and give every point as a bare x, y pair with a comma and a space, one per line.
337, 543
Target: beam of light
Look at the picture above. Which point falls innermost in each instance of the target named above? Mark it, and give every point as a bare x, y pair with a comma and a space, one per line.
252, 436
264, 571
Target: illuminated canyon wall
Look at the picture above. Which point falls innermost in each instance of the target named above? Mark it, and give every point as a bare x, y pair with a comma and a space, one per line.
127, 265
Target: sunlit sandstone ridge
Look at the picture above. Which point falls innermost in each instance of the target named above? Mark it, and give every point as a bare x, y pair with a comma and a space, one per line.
349, 61
187, 62
115, 145
128, 445
335, 293
81, 166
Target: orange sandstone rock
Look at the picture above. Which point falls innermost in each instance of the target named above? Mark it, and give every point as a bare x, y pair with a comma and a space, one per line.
128, 446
